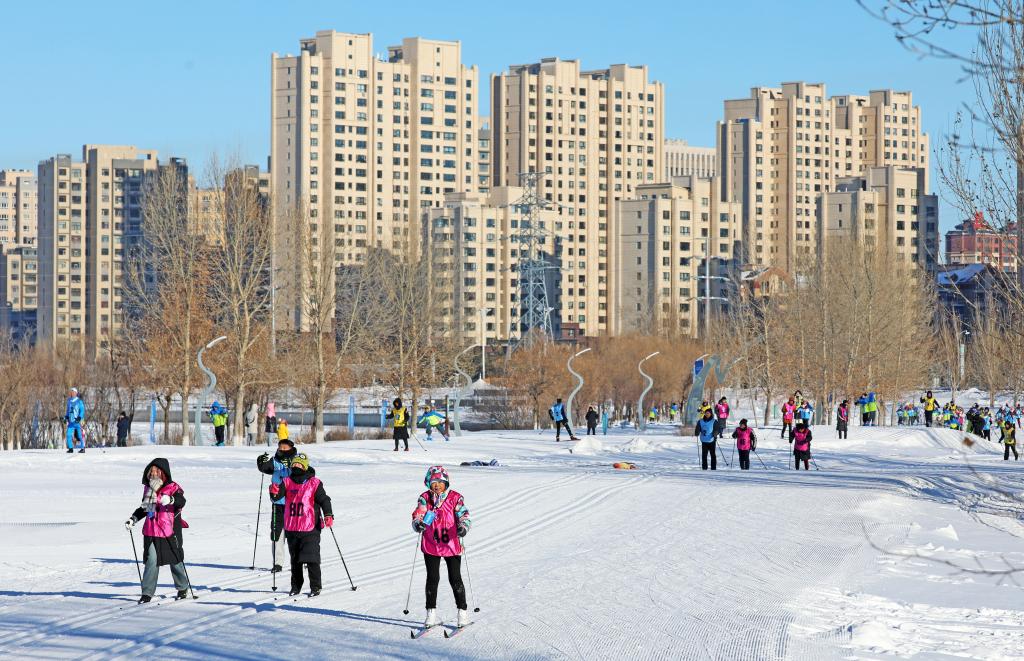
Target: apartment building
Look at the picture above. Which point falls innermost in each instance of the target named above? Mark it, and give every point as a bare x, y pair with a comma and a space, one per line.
783, 147
474, 263
483, 154
684, 160
19, 272
362, 144
669, 236
885, 208
597, 136
90, 214
19, 208
975, 241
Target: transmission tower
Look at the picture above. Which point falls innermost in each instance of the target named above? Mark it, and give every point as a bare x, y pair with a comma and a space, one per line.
534, 310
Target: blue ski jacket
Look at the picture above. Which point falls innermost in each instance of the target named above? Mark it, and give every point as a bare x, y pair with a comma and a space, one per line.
705, 429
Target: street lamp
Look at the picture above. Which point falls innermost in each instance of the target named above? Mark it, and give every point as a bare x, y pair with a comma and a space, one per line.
483, 343
458, 393
579, 384
650, 383
963, 340
206, 391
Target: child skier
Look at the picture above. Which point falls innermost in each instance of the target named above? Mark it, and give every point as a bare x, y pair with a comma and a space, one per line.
282, 430
431, 419
279, 467
1009, 441
442, 520
788, 412
219, 416
801, 440
307, 510
806, 412
705, 431
843, 419
745, 442
162, 501
721, 417
400, 415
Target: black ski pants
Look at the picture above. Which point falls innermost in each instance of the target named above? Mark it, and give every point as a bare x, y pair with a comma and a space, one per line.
744, 459
928, 418
591, 429
219, 433
1006, 452
454, 566
705, 449
315, 580
558, 429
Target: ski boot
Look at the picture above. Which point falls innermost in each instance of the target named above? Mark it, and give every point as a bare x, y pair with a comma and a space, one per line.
294, 591
70, 451
276, 569
81, 451
313, 593
145, 599
463, 618
431, 620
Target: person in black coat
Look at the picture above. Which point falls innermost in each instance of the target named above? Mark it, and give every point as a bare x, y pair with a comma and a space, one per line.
591, 421
124, 427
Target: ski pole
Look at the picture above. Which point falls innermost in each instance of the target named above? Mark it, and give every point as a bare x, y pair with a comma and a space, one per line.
131, 533
174, 550
417, 439
760, 459
469, 577
259, 510
721, 452
813, 461
273, 547
336, 545
732, 455
412, 572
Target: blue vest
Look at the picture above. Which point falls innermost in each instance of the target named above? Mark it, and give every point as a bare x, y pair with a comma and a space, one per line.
707, 430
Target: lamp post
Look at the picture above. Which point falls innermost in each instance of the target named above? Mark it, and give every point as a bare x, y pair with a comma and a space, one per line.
206, 391
459, 393
650, 384
483, 343
579, 384
963, 340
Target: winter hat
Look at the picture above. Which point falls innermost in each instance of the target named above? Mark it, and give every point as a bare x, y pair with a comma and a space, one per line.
300, 461
288, 441
436, 474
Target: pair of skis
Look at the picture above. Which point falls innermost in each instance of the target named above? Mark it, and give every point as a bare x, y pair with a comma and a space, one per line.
449, 632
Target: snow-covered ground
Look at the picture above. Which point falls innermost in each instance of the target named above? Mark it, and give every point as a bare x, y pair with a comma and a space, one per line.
569, 557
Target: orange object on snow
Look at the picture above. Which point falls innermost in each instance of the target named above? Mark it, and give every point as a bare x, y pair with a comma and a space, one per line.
624, 465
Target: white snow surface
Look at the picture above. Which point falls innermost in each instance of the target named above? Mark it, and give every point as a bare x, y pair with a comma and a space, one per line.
875, 555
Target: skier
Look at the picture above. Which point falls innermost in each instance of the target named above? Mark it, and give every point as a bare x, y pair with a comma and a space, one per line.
307, 511
745, 442
843, 419
270, 426
557, 414
124, 427
278, 467
721, 417
431, 419
442, 520
591, 421
219, 416
788, 412
162, 501
282, 430
74, 415
1009, 441
705, 431
400, 429
930, 404
801, 440
251, 417
806, 412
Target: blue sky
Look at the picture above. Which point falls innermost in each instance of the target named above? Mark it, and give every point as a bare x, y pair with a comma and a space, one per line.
192, 78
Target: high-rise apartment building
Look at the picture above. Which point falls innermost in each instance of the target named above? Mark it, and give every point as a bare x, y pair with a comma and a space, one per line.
684, 160
597, 136
782, 148
90, 214
885, 208
669, 237
483, 154
19, 208
361, 144
19, 273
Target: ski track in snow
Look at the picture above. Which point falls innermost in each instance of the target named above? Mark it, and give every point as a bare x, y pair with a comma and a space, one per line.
569, 557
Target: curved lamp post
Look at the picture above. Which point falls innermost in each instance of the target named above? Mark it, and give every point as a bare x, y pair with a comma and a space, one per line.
579, 384
206, 391
459, 393
650, 384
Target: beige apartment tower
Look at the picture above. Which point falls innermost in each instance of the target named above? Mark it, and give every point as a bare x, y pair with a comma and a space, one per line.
90, 213
886, 207
782, 148
669, 236
597, 136
19, 208
361, 145
685, 160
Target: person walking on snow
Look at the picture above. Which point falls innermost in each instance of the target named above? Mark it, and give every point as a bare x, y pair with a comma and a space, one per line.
124, 428
705, 431
788, 413
843, 419
557, 414
400, 428
270, 426
1010, 440
591, 421
74, 415
307, 511
930, 405
721, 417
219, 416
806, 412
801, 440
278, 467
442, 520
745, 442
162, 501
431, 419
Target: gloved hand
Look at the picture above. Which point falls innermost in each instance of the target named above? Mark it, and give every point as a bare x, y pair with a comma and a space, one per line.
165, 500
274, 490
418, 526
328, 521
262, 459
129, 524
462, 531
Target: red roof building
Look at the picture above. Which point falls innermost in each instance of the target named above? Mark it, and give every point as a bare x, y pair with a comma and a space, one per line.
974, 241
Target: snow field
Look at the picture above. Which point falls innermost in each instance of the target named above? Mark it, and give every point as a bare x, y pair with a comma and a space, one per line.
568, 557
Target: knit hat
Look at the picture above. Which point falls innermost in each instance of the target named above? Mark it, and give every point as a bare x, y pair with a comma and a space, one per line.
435, 474
300, 461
